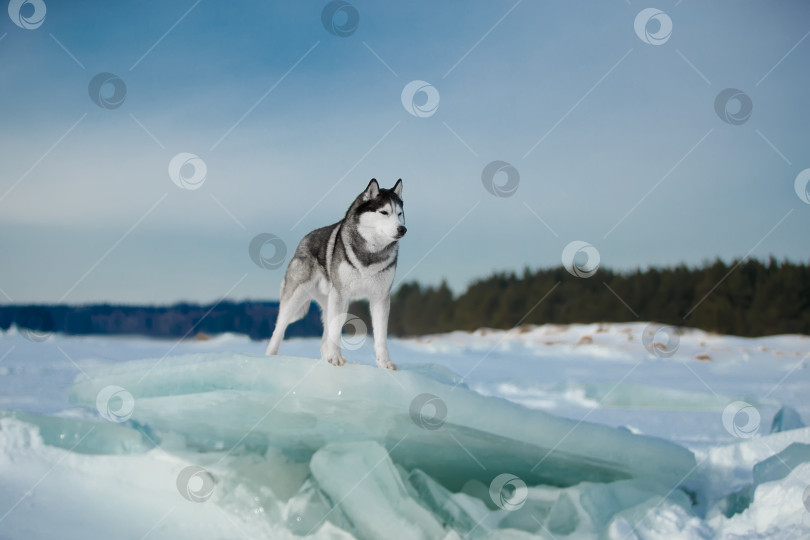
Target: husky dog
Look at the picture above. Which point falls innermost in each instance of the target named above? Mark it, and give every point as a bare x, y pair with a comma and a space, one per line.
354, 258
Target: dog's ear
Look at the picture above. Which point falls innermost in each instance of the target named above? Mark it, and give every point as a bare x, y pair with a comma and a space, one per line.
398, 188
372, 190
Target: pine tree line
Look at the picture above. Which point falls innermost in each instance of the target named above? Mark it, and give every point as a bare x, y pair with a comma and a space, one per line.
746, 298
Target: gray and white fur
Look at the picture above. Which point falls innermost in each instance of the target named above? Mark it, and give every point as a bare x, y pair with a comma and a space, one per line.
354, 258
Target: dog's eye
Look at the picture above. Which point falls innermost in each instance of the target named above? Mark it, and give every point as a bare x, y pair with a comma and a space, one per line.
384, 212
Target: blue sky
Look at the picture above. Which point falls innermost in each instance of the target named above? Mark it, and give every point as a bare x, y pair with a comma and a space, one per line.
616, 140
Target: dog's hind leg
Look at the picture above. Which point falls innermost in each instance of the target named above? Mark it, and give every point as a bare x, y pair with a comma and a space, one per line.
294, 306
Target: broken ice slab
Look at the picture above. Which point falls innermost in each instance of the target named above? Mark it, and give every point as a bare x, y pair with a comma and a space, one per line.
355, 477
358, 476
782, 464
772, 469
643, 396
446, 507
730, 475
298, 405
84, 436
786, 419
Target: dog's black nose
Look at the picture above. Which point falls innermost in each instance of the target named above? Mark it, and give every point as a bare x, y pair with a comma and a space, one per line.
401, 231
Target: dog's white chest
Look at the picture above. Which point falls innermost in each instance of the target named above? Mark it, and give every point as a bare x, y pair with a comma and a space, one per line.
367, 282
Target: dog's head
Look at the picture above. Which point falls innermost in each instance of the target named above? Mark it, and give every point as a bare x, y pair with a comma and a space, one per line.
379, 213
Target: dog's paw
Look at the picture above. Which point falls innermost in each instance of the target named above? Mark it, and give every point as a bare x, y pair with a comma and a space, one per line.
386, 363
336, 359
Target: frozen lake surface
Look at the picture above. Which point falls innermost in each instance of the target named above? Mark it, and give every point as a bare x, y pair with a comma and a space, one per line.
584, 431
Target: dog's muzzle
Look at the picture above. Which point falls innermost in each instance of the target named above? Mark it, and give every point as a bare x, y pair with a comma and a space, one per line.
401, 231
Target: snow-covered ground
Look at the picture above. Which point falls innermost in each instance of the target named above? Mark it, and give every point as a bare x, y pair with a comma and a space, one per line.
613, 431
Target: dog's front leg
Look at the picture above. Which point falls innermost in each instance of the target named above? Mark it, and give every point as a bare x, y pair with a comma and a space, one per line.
380, 307
336, 306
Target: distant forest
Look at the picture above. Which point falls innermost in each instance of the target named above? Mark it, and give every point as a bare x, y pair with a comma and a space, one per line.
744, 298
254, 319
